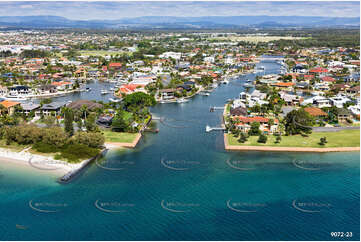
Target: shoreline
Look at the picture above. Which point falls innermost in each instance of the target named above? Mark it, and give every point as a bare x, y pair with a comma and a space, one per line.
116, 145
285, 149
40, 96
36, 162
41, 163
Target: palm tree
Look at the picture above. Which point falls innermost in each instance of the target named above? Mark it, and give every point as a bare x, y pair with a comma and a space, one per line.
84, 110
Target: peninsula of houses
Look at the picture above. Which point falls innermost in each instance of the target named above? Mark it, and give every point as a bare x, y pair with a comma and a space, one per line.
312, 103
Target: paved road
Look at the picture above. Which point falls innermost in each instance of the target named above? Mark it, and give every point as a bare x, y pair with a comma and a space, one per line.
332, 129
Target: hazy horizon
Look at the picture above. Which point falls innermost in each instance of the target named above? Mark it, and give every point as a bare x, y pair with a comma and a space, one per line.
118, 10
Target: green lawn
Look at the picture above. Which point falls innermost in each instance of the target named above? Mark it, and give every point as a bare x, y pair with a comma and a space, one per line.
119, 136
101, 52
344, 138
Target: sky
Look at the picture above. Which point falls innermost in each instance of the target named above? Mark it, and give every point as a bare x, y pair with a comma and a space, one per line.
115, 10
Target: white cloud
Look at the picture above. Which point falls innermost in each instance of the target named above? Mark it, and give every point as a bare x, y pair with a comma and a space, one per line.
26, 6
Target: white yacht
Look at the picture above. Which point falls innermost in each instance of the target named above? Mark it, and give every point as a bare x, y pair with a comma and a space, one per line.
248, 85
204, 93
182, 100
16, 98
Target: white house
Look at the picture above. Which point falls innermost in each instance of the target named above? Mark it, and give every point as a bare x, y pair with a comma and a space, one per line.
339, 101
174, 55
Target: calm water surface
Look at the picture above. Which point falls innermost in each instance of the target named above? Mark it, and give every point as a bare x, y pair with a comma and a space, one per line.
180, 184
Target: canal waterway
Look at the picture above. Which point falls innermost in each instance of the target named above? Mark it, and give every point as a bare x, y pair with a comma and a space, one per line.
180, 184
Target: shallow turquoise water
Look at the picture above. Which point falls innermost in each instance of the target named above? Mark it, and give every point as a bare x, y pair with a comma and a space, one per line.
180, 184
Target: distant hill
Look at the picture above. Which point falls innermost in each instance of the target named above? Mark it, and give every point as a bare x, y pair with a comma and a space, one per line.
180, 22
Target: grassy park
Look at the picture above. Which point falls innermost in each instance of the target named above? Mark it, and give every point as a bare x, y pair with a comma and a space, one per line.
119, 137
344, 138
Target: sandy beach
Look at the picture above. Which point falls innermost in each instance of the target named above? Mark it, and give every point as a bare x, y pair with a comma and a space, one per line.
286, 149
36, 162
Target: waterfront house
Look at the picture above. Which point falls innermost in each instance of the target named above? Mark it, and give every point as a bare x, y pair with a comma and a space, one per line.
166, 94
10, 106
47, 89
238, 111
244, 96
244, 124
81, 73
19, 90
283, 85
51, 109
62, 85
238, 103
343, 115
29, 107
130, 88
258, 94
184, 87
90, 105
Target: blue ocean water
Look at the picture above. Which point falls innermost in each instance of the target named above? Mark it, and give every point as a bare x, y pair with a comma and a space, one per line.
180, 184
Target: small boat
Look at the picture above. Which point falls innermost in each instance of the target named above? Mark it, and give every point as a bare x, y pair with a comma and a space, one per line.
204, 93
182, 100
115, 100
214, 85
103, 92
88, 89
248, 85
18, 226
16, 98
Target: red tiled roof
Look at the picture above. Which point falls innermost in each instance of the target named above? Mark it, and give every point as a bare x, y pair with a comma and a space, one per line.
308, 77
284, 84
328, 79
60, 83
318, 70
253, 119
116, 64
8, 104
313, 111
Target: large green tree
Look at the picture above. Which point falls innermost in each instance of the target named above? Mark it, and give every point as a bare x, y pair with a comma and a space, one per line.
137, 101
68, 121
121, 121
298, 122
